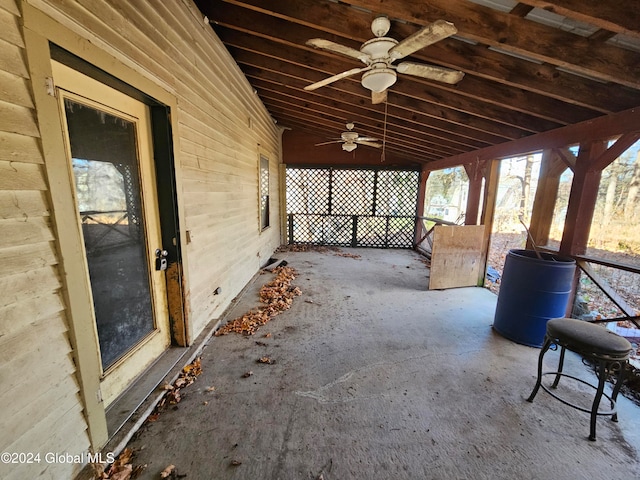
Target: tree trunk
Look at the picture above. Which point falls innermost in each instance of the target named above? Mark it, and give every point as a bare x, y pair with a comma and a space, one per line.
634, 186
609, 200
526, 188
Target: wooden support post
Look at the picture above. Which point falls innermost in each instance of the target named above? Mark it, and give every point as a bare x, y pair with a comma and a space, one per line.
474, 172
492, 175
551, 168
582, 199
422, 191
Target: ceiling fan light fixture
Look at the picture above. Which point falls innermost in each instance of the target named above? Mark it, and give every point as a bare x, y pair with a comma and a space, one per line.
378, 79
380, 26
349, 147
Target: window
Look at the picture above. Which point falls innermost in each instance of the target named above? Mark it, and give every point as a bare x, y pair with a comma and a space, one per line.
264, 192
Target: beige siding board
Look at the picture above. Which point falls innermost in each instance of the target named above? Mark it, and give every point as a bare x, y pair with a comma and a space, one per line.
23, 204
211, 160
216, 122
53, 362
219, 119
23, 315
220, 187
15, 90
61, 392
105, 36
206, 135
61, 435
14, 347
21, 176
19, 148
25, 258
10, 6
188, 160
35, 356
213, 67
9, 28
12, 59
16, 119
216, 61
41, 281
195, 79
25, 231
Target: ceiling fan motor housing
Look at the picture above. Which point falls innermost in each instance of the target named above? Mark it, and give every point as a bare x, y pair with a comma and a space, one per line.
380, 77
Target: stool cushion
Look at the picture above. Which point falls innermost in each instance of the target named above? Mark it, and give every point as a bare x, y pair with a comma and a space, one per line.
587, 337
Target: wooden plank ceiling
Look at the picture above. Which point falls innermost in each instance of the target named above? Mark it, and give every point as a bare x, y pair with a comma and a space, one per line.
530, 66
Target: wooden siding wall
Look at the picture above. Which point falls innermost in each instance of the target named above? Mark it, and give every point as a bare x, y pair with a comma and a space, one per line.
220, 128
39, 399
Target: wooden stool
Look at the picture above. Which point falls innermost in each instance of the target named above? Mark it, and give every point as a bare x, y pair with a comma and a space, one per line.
606, 350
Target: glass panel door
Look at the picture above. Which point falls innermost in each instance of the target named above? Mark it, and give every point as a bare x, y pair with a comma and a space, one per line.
107, 180
108, 136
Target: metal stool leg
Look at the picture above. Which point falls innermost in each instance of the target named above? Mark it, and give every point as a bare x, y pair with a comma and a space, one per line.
545, 347
616, 390
560, 367
602, 374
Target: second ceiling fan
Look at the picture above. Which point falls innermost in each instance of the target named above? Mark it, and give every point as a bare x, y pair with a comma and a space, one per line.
350, 140
380, 52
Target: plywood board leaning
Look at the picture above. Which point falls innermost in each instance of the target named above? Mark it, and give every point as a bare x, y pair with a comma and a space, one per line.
457, 256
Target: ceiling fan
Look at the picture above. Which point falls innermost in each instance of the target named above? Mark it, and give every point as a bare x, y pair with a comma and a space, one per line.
380, 52
350, 140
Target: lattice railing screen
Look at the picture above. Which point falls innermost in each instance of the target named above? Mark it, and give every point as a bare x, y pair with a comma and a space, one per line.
352, 207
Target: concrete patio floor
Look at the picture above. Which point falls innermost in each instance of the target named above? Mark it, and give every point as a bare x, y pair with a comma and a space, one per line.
375, 377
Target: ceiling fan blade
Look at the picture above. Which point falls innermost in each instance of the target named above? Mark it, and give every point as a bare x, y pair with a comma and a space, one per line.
369, 144
378, 97
329, 80
337, 48
438, 30
431, 72
368, 139
327, 143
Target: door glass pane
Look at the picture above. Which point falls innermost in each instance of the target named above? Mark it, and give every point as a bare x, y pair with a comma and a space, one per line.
105, 167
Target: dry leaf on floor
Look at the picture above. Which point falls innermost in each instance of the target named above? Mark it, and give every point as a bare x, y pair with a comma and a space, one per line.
167, 471
277, 295
266, 359
123, 474
210, 389
247, 374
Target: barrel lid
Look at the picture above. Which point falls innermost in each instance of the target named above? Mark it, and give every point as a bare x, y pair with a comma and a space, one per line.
546, 257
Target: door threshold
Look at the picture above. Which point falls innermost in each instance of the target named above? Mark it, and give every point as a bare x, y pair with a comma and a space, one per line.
123, 408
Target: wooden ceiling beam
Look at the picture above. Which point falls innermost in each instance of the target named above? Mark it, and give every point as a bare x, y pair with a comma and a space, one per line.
394, 135
364, 123
521, 36
613, 16
318, 67
394, 115
353, 92
338, 22
474, 88
299, 150
521, 10
414, 120
601, 128
315, 130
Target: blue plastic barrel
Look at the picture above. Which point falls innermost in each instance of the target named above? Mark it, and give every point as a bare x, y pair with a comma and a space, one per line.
532, 292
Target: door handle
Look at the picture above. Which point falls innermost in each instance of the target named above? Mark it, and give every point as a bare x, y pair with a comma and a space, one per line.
161, 259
